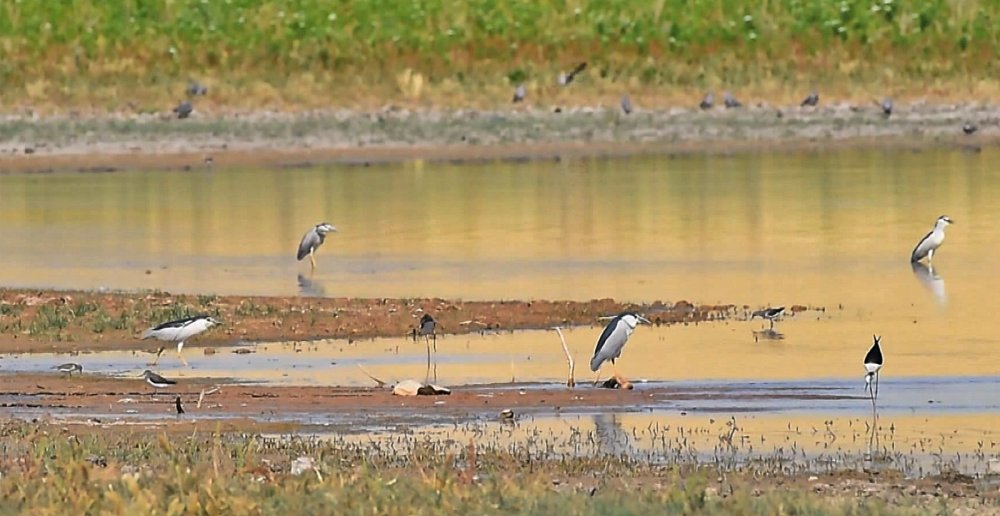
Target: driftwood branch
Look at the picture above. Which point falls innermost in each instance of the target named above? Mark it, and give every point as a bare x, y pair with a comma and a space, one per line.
571, 382
378, 383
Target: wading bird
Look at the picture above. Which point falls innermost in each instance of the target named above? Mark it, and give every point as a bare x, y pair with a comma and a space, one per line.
69, 368
156, 380
771, 314
811, 100
873, 364
312, 240
179, 331
707, 101
426, 329
612, 340
519, 94
932, 241
969, 128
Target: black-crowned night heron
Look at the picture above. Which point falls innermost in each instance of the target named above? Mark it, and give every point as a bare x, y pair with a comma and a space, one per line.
626, 104
179, 331
771, 314
519, 94
184, 109
69, 369
811, 100
612, 341
312, 240
566, 78
156, 380
178, 406
932, 241
707, 101
730, 101
873, 364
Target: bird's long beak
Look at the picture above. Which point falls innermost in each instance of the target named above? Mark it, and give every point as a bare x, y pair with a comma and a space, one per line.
643, 319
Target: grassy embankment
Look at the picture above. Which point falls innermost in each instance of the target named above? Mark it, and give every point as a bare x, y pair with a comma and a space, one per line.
294, 54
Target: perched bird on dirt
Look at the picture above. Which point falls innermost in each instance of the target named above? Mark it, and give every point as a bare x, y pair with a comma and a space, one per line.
626, 104
519, 94
312, 240
156, 380
179, 331
730, 101
771, 314
886, 106
184, 109
69, 368
612, 341
811, 100
707, 101
566, 78
969, 128
931, 241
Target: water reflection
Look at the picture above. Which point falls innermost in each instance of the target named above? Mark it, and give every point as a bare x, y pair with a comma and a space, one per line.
767, 334
931, 280
610, 436
310, 287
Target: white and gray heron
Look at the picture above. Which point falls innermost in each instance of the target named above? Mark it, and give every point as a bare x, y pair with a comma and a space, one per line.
157, 381
771, 314
312, 240
932, 241
179, 331
612, 341
873, 364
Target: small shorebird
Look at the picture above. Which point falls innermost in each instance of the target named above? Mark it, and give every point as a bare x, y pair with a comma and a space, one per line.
69, 368
886, 106
179, 331
612, 341
969, 128
156, 380
519, 94
184, 109
707, 101
566, 78
730, 101
873, 364
771, 314
811, 100
932, 241
312, 240
626, 103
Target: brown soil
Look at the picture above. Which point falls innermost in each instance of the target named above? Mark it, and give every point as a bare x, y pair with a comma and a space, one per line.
32, 320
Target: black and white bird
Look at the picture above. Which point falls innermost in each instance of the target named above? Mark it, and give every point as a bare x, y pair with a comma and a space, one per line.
707, 101
886, 106
873, 364
156, 380
932, 241
771, 314
626, 104
566, 78
969, 128
811, 100
612, 341
184, 109
519, 94
69, 368
312, 240
179, 331
730, 101
426, 329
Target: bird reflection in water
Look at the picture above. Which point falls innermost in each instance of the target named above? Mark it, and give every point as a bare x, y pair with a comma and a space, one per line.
310, 287
768, 334
931, 280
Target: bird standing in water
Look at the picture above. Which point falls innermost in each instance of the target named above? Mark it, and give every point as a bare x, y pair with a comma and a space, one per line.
312, 240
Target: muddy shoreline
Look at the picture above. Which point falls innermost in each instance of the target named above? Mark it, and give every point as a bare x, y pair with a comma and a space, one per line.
125, 141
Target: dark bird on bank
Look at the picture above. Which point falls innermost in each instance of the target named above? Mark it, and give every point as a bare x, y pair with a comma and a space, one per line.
969, 128
707, 101
519, 93
886, 106
426, 329
730, 101
811, 100
195, 88
177, 404
566, 78
156, 380
626, 105
184, 109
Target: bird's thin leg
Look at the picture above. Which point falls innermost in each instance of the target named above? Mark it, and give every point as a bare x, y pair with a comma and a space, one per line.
157, 359
312, 259
930, 256
427, 375
434, 338
180, 346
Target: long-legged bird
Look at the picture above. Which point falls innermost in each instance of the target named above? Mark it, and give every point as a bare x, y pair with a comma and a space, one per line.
612, 341
312, 240
930, 243
179, 331
771, 314
873, 364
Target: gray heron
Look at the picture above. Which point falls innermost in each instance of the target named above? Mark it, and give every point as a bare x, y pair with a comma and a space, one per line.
179, 331
769, 313
566, 78
707, 101
519, 94
184, 109
157, 381
69, 368
730, 101
811, 100
932, 241
612, 341
312, 240
873, 364
626, 103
